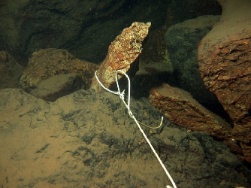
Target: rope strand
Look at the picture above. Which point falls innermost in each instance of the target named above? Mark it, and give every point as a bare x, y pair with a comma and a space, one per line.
122, 97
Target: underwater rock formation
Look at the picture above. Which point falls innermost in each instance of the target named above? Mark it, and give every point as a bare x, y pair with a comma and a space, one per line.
179, 107
47, 63
122, 52
224, 57
47, 66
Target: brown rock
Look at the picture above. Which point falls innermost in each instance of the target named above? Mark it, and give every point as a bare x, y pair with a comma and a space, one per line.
224, 57
180, 107
10, 71
122, 52
47, 63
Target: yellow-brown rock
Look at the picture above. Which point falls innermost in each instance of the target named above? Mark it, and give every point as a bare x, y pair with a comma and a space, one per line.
49, 62
224, 57
121, 53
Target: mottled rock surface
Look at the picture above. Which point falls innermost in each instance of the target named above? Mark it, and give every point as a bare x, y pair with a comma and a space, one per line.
224, 57
88, 140
51, 62
122, 52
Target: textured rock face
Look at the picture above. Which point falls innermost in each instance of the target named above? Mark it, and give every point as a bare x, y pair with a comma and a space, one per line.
180, 107
225, 64
46, 66
122, 52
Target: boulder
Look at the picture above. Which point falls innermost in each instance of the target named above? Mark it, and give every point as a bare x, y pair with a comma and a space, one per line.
224, 57
179, 107
122, 52
55, 71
